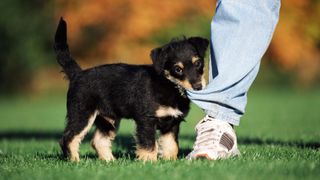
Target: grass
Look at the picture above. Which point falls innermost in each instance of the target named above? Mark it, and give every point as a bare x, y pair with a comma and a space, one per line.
279, 138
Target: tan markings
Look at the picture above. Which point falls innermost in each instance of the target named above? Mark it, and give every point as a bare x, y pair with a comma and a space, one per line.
147, 155
169, 147
164, 111
102, 144
167, 74
185, 83
194, 59
74, 144
180, 65
203, 82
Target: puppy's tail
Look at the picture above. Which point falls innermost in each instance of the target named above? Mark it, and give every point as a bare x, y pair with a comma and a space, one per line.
69, 65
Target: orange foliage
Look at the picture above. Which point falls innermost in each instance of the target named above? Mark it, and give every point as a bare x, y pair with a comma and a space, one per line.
122, 29
293, 48
127, 23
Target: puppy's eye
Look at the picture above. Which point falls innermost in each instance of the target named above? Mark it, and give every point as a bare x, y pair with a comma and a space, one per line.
197, 64
178, 70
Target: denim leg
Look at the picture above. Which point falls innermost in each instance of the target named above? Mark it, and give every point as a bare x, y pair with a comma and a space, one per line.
241, 31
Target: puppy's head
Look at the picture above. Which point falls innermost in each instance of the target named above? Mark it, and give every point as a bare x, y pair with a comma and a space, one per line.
182, 62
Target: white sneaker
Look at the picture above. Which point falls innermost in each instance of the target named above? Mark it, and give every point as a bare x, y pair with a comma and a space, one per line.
216, 139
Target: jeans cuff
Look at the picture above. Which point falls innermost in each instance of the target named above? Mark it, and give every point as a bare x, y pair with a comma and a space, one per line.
218, 113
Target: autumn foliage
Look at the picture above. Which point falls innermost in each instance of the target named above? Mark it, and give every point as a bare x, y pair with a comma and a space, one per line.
108, 31
122, 28
120, 31
296, 42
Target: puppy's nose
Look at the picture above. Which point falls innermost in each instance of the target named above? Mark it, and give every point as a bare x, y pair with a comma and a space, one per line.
197, 86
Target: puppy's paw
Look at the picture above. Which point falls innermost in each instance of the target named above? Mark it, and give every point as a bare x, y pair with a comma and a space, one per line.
169, 156
108, 157
146, 155
74, 158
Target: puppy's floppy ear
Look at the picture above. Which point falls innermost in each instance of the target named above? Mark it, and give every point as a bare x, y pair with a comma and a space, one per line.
158, 60
201, 44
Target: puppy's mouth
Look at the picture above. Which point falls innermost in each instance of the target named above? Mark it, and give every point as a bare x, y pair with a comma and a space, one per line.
188, 86
199, 85
185, 84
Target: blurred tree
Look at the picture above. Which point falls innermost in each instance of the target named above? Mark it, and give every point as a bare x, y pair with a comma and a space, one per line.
122, 29
129, 29
296, 43
25, 41
107, 31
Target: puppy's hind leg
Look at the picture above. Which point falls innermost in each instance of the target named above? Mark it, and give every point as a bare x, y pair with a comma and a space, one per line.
77, 127
104, 135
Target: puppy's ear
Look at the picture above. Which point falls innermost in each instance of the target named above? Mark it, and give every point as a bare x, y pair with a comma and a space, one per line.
201, 44
158, 60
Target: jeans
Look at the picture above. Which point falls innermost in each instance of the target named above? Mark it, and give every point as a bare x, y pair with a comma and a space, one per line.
241, 31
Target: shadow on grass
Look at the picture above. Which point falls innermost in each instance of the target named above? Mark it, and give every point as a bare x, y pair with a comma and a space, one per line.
130, 155
127, 143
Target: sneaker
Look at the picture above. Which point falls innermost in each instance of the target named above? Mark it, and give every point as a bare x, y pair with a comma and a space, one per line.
216, 139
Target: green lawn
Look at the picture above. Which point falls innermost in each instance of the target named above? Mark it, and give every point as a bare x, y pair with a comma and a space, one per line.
279, 138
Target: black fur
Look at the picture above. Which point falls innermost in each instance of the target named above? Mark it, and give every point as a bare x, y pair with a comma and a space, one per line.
69, 65
119, 91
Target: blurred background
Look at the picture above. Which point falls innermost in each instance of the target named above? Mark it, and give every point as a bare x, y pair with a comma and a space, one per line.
108, 31
282, 116
279, 134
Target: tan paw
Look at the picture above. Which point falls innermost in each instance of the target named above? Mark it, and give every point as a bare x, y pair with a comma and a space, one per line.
75, 158
146, 155
107, 158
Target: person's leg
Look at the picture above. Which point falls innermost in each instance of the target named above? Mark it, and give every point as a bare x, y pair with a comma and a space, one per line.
241, 31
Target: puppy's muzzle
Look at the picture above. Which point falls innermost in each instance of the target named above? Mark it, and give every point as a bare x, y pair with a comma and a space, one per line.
197, 86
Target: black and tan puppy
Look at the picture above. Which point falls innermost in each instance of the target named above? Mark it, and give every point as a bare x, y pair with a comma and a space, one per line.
152, 95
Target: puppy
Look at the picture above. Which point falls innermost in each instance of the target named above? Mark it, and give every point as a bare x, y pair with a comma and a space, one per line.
152, 95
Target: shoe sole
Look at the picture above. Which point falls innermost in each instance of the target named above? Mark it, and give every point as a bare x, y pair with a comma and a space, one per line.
203, 156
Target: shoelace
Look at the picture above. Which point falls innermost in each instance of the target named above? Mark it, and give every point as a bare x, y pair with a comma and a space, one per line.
207, 134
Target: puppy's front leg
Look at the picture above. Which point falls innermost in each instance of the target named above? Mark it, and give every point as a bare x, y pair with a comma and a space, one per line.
147, 149
169, 145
